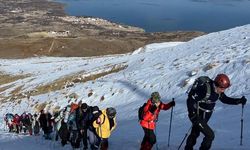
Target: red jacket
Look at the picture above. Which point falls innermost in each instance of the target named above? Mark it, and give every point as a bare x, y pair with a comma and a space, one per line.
16, 120
149, 118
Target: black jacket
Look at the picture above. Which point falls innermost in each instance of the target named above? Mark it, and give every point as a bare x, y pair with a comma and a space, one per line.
80, 118
84, 119
197, 95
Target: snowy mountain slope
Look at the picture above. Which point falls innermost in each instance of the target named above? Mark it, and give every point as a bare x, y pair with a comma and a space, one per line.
169, 68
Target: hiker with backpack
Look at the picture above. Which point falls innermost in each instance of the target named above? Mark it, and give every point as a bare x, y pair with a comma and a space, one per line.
72, 123
46, 123
16, 123
148, 118
82, 116
104, 125
35, 125
26, 122
9, 117
94, 139
62, 126
201, 102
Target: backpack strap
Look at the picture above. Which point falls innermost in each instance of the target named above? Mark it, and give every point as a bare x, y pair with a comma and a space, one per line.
208, 93
104, 117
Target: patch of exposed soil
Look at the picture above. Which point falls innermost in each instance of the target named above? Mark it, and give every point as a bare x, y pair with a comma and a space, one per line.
5, 78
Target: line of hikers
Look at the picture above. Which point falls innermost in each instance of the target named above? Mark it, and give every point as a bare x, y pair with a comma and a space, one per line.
87, 123
73, 124
21, 123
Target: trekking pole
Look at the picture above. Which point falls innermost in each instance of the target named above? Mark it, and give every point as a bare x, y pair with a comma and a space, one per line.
184, 138
241, 133
170, 124
100, 129
156, 140
5, 125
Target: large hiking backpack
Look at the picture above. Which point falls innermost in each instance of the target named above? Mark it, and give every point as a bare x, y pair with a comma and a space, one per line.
199, 82
141, 112
72, 121
9, 117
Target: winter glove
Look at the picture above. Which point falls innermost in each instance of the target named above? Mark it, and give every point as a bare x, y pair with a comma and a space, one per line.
82, 131
243, 100
98, 121
172, 103
153, 108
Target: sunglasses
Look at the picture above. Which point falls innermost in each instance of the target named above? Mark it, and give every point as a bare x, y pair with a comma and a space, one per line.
222, 87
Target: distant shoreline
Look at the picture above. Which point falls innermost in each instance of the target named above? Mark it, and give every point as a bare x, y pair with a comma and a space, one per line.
64, 5
165, 16
32, 28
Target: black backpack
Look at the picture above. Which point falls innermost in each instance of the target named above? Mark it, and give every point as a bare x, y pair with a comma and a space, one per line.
141, 112
201, 81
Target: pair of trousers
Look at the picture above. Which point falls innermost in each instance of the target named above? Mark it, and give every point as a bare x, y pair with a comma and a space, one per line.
200, 126
149, 139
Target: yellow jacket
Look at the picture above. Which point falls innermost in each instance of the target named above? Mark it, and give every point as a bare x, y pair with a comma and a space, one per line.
103, 130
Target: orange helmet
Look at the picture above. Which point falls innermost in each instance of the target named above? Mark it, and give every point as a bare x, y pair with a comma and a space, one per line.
222, 81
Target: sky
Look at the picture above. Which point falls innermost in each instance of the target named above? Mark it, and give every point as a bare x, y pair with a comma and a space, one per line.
169, 68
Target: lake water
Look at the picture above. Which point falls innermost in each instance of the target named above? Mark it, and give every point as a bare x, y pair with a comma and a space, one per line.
166, 15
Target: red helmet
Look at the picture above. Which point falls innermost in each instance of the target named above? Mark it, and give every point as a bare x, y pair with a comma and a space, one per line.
222, 81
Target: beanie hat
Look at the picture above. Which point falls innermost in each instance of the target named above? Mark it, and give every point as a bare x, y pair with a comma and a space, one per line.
84, 106
155, 97
95, 110
111, 112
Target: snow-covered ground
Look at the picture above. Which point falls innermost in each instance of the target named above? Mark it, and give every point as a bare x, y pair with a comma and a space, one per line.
169, 68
